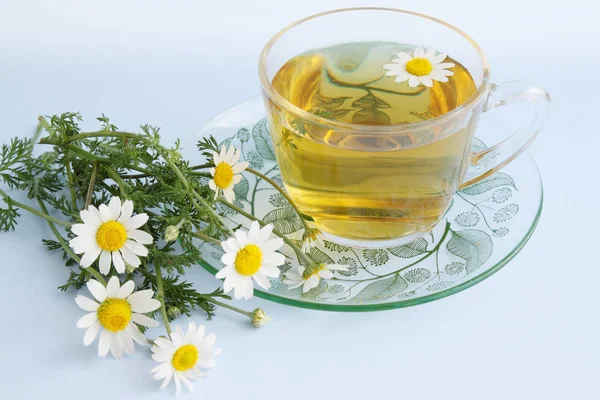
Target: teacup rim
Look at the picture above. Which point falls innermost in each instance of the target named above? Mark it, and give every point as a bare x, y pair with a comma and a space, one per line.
374, 129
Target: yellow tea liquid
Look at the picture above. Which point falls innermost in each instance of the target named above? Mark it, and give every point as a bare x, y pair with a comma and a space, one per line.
361, 185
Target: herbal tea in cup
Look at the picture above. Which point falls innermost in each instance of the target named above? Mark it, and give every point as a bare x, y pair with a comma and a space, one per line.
373, 137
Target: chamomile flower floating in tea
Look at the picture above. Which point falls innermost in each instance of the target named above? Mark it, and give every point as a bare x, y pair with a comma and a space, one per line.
250, 257
311, 238
114, 315
182, 357
112, 233
421, 67
296, 278
227, 172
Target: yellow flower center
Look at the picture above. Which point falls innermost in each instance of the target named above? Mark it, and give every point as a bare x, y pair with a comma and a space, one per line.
248, 260
111, 236
185, 357
419, 66
114, 314
223, 175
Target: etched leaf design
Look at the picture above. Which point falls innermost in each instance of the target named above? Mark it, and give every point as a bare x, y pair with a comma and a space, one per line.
335, 247
370, 116
472, 245
417, 275
506, 213
241, 189
381, 290
409, 250
262, 140
320, 257
370, 101
284, 220
329, 103
489, 183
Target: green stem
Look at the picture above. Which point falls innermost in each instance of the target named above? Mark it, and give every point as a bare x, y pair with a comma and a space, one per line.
117, 178
287, 241
71, 186
232, 308
67, 248
90, 191
32, 210
206, 238
160, 296
283, 193
96, 134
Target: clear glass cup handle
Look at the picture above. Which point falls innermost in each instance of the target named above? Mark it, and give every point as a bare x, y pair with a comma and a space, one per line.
487, 161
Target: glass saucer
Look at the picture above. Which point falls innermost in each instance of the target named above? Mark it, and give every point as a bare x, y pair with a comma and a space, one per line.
486, 226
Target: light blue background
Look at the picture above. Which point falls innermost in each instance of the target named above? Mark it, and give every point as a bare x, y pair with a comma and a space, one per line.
529, 332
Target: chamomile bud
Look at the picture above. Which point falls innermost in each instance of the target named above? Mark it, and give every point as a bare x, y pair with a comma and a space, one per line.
259, 318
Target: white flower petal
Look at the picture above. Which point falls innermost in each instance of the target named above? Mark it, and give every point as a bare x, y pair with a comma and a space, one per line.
224, 272
86, 303
81, 244
129, 257
177, 384
229, 194
425, 80
126, 211
275, 259
126, 342
272, 245
115, 346
439, 58
253, 232
137, 248
135, 334
112, 287
84, 230
140, 236
311, 283
228, 258
236, 179
91, 216
187, 383
261, 280
419, 52
166, 381
402, 57
135, 222
91, 333
325, 274
413, 81
270, 271
105, 259
402, 76
230, 245
265, 231
244, 288
212, 185
142, 302
114, 205
97, 290
90, 255
105, 213
444, 65
126, 290
104, 342
393, 68
430, 55
143, 320
87, 320
117, 260
240, 167
241, 237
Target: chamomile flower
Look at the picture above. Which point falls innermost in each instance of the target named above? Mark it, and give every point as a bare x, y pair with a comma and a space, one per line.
226, 172
114, 315
182, 357
250, 256
310, 239
111, 232
421, 67
295, 278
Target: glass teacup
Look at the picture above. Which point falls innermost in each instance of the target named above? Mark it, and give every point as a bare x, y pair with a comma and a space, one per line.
373, 127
